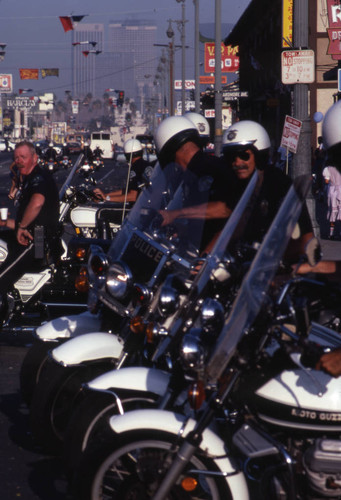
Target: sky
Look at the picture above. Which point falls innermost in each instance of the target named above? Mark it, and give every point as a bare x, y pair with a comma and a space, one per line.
35, 37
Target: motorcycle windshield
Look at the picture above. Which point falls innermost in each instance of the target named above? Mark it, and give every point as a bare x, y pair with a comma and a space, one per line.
169, 191
253, 290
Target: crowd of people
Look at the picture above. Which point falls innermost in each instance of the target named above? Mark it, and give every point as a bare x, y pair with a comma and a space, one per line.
220, 182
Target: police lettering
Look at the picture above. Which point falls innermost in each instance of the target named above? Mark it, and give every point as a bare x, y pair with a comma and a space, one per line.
147, 249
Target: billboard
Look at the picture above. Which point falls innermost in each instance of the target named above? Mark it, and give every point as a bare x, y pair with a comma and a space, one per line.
229, 58
6, 83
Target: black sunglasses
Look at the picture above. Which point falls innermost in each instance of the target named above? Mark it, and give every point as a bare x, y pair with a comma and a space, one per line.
232, 154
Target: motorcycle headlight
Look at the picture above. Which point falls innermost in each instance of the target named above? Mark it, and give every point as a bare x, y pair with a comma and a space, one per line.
119, 280
212, 315
170, 295
98, 262
192, 352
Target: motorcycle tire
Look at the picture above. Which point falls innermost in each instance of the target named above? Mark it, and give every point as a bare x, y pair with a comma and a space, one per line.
90, 419
31, 368
55, 397
130, 465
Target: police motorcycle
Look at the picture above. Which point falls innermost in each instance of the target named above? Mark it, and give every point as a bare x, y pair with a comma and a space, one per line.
156, 385
262, 433
65, 162
98, 161
179, 297
46, 293
123, 284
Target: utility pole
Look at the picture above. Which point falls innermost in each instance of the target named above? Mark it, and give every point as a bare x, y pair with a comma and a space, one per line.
302, 159
196, 57
217, 86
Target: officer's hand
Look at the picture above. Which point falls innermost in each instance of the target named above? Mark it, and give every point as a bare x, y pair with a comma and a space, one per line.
24, 237
331, 363
168, 217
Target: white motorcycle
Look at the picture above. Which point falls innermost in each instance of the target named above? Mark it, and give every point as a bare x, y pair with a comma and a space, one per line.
262, 433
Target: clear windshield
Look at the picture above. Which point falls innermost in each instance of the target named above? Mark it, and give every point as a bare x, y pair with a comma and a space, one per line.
167, 191
253, 290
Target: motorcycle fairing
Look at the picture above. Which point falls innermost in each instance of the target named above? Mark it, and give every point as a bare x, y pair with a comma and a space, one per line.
211, 444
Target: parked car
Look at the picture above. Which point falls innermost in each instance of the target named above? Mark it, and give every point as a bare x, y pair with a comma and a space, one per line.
11, 145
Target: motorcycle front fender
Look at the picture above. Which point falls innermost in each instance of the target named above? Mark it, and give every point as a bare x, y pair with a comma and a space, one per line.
139, 379
160, 420
68, 326
88, 347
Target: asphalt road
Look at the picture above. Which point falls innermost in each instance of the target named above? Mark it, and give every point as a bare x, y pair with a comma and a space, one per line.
25, 473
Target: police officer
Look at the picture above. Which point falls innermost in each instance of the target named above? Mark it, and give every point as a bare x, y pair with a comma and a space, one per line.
38, 206
177, 140
139, 170
246, 147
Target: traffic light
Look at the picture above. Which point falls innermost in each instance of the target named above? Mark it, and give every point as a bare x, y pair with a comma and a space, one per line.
120, 99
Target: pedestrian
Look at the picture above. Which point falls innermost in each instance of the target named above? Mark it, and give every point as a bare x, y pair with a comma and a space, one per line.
332, 179
37, 215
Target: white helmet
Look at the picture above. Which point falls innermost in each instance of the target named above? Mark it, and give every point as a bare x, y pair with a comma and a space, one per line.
246, 133
51, 144
200, 122
331, 130
331, 134
132, 146
171, 134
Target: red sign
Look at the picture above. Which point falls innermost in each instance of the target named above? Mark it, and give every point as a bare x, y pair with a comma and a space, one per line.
334, 47
334, 13
229, 58
291, 133
334, 30
6, 83
210, 80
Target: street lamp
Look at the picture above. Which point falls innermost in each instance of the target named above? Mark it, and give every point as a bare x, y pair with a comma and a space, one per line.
181, 28
170, 34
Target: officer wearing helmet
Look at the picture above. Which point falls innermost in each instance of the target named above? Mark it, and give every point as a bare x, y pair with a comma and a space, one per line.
138, 170
177, 140
246, 147
202, 126
87, 152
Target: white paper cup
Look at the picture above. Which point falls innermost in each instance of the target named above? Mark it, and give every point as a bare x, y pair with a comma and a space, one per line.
3, 213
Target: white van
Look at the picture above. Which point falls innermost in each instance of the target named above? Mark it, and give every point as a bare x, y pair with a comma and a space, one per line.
103, 140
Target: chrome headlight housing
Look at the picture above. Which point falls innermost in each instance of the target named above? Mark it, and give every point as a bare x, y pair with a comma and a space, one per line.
192, 352
170, 295
212, 315
119, 280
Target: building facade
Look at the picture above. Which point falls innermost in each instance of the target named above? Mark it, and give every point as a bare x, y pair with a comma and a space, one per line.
87, 47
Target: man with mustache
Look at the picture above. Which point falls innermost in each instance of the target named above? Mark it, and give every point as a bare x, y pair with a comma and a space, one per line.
246, 147
38, 207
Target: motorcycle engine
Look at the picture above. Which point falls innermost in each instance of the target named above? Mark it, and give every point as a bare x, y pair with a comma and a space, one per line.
322, 463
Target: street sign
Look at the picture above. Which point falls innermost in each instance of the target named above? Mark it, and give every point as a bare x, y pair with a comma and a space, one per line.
209, 113
189, 84
189, 106
298, 66
231, 94
291, 133
21, 102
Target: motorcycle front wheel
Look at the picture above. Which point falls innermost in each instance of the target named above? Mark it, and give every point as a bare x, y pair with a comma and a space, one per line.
132, 465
